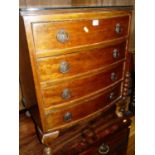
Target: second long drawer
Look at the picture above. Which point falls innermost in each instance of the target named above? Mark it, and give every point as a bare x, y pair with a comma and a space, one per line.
58, 67
74, 89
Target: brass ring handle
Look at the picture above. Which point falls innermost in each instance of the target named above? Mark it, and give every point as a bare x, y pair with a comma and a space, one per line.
67, 116
113, 76
66, 94
111, 96
115, 53
62, 36
64, 67
118, 28
104, 149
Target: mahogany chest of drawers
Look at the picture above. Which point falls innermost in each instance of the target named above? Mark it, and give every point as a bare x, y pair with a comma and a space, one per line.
73, 69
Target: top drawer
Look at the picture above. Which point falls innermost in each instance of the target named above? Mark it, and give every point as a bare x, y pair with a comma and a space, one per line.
56, 35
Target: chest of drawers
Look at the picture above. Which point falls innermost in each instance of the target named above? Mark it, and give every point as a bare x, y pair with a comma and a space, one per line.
73, 66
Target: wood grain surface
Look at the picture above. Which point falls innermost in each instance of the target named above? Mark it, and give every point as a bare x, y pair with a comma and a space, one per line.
117, 144
88, 30
80, 87
79, 62
72, 3
55, 117
25, 70
30, 145
80, 32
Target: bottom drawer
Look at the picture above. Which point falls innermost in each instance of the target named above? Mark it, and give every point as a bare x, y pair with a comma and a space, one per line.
116, 144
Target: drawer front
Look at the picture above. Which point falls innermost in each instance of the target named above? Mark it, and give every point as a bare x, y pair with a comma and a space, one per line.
73, 33
64, 116
116, 144
69, 65
80, 87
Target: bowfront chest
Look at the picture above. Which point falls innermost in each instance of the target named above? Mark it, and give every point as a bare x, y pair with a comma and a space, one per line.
73, 72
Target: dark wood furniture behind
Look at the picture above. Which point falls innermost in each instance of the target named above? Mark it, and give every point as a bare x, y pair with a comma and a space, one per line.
73, 73
106, 131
